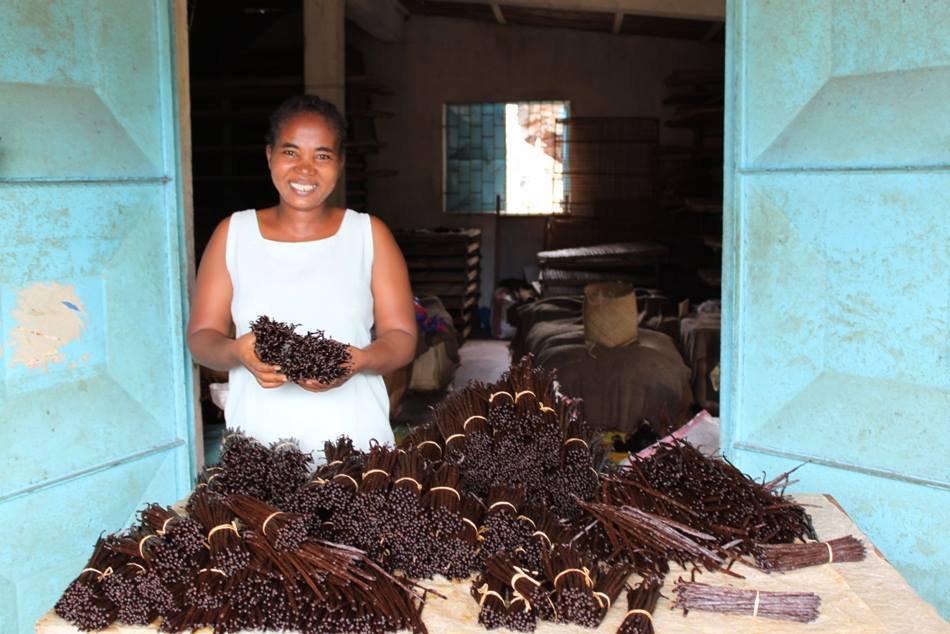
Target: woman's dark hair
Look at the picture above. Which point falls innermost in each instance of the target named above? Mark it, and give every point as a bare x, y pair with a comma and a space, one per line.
310, 104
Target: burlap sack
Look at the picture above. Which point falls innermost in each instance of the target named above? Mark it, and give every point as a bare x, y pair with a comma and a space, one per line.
610, 314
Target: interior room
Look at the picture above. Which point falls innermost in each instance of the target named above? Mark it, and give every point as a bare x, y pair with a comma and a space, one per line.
614, 121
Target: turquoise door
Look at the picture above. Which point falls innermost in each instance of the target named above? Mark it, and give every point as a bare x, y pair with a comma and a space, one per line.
95, 414
837, 268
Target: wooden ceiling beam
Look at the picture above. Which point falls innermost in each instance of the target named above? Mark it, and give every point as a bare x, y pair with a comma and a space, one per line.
496, 9
383, 19
618, 22
714, 10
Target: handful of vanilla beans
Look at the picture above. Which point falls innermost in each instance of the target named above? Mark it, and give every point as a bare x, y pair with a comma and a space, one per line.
309, 356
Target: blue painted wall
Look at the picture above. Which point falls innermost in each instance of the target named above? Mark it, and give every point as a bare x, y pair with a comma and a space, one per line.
95, 410
836, 280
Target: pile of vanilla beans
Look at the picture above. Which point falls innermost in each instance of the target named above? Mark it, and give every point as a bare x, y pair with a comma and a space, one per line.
310, 356
506, 482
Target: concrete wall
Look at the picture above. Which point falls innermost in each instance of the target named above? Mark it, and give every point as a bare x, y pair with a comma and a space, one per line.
446, 60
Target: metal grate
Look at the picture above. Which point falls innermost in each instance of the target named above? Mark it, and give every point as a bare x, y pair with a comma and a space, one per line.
504, 156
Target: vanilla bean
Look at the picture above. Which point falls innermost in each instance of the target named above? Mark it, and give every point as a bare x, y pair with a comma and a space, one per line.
786, 606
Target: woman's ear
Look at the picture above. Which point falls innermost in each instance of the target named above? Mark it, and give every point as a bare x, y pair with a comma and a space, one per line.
267, 153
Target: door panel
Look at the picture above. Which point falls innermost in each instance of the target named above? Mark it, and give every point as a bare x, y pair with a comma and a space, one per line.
94, 415
837, 282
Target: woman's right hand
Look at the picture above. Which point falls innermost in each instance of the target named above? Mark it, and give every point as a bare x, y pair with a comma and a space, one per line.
267, 375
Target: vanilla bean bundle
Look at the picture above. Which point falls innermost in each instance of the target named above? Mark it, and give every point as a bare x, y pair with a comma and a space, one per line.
572, 577
780, 557
711, 495
655, 538
225, 545
84, 603
311, 356
784, 606
284, 531
641, 602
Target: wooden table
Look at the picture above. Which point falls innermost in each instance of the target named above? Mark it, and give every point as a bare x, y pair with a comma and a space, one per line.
868, 597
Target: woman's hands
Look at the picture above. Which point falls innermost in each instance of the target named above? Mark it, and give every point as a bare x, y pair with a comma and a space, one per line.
267, 375
358, 358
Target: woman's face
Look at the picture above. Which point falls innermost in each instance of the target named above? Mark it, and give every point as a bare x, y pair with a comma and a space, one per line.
305, 161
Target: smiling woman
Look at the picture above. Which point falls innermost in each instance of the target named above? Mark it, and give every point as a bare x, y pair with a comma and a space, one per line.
305, 262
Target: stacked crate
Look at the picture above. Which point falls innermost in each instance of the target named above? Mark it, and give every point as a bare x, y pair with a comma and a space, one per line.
445, 262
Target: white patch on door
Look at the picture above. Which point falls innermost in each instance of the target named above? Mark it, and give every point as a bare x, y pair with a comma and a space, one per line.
48, 317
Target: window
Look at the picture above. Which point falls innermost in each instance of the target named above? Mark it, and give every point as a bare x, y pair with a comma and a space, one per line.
509, 156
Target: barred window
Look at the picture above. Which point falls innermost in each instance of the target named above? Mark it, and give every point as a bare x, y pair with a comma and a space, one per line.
508, 157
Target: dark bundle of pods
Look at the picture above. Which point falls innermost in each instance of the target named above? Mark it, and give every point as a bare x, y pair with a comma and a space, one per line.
641, 602
272, 474
516, 432
406, 512
310, 356
503, 482
257, 570
780, 557
710, 496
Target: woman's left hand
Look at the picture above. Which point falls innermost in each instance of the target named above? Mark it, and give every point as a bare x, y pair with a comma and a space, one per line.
357, 363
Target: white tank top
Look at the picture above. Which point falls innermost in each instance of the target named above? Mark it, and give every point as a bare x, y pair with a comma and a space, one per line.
321, 285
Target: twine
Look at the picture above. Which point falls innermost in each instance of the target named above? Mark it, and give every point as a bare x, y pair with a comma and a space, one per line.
545, 536
606, 598
520, 573
582, 571
755, 606
545, 408
527, 519
413, 480
453, 437
102, 574
470, 523
504, 502
132, 563
214, 570
508, 394
330, 464
484, 592
161, 531
455, 491
348, 477
522, 393
471, 418
223, 527
639, 611
520, 597
580, 440
142, 542
372, 471
269, 518
831, 554
430, 442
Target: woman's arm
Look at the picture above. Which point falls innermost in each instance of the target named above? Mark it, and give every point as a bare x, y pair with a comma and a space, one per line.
394, 314
210, 322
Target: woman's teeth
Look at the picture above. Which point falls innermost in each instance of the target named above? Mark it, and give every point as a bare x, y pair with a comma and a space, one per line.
302, 189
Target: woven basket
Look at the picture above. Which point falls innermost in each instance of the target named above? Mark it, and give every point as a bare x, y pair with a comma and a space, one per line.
610, 314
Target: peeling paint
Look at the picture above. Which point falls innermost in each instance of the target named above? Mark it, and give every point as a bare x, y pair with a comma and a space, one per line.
48, 317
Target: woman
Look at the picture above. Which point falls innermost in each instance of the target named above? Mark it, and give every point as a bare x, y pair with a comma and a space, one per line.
309, 263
